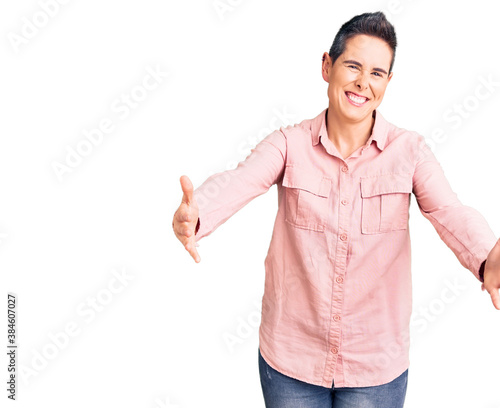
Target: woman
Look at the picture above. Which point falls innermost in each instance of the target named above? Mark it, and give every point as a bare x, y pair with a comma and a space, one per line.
337, 301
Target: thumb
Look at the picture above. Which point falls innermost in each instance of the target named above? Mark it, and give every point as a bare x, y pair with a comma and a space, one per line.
187, 189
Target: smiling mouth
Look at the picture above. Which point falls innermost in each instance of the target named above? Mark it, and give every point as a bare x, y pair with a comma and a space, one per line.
356, 99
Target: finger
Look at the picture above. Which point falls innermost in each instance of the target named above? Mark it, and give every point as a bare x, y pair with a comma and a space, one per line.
187, 189
183, 231
495, 298
191, 248
180, 227
183, 214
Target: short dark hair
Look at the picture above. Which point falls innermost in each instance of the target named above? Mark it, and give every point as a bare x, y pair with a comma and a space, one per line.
372, 24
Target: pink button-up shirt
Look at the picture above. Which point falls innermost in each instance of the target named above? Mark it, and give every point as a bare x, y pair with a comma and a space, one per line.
338, 297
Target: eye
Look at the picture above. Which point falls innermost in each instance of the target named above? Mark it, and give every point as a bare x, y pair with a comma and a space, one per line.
378, 74
353, 66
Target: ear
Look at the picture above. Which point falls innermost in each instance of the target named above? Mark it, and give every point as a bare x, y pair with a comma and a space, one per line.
390, 76
326, 66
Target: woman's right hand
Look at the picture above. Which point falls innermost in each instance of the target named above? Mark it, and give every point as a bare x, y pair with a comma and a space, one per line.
186, 218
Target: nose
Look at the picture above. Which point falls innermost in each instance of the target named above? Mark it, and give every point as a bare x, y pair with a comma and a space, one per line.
362, 80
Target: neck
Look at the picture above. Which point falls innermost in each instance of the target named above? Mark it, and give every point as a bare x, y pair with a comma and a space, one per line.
348, 135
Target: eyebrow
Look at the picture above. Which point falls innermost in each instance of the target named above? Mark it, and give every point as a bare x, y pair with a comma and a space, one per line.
360, 65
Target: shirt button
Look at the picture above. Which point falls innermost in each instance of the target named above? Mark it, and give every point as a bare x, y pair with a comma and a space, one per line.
344, 202
339, 279
335, 350
336, 318
343, 237
344, 169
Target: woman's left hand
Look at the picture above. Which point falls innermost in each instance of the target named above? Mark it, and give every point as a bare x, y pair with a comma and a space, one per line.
492, 275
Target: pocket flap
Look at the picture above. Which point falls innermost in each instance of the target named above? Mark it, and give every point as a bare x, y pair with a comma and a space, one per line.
386, 184
314, 182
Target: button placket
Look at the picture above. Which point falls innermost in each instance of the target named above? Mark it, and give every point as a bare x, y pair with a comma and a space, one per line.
338, 274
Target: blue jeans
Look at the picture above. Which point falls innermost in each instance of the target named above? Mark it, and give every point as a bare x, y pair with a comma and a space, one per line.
281, 391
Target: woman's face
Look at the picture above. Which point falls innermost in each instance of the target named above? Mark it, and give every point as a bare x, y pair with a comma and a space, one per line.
358, 79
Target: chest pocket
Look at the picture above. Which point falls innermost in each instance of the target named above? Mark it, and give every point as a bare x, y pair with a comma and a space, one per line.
385, 202
306, 198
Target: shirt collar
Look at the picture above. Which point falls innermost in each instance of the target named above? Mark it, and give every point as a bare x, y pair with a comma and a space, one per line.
379, 131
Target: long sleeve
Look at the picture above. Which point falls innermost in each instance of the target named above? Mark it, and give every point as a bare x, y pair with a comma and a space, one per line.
224, 193
463, 229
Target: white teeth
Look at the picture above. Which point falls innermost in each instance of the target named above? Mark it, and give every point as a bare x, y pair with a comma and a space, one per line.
355, 98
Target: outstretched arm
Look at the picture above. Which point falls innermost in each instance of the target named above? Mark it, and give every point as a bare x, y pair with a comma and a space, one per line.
462, 228
224, 193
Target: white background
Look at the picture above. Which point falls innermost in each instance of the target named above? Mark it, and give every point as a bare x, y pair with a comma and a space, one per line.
160, 341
